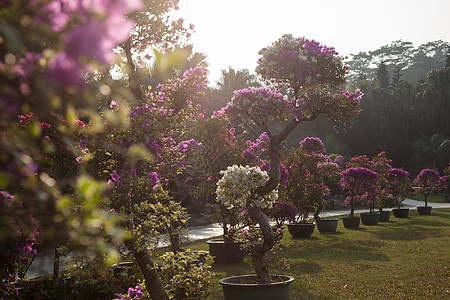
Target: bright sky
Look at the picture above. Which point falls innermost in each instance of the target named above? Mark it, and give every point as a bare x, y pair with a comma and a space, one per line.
231, 32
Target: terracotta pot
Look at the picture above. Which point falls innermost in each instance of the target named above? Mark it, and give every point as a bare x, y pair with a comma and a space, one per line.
226, 252
351, 222
233, 290
401, 212
327, 225
424, 210
369, 218
301, 230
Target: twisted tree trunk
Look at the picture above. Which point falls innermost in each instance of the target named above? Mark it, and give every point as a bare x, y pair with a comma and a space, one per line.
134, 80
259, 251
152, 281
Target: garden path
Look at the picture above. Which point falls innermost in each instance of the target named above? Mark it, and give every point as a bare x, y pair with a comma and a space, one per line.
43, 263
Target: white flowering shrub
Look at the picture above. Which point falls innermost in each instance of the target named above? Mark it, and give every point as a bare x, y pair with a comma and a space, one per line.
238, 185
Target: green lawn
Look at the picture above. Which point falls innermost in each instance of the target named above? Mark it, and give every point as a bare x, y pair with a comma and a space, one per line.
440, 197
401, 259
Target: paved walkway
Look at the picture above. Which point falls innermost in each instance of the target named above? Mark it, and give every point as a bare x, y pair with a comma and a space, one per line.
43, 263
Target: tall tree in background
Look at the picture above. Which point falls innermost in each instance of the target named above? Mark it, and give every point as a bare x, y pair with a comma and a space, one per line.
383, 75
415, 62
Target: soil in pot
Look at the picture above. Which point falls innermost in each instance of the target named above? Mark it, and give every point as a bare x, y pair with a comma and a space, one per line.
424, 210
385, 215
351, 222
246, 288
369, 218
327, 225
226, 252
301, 230
401, 212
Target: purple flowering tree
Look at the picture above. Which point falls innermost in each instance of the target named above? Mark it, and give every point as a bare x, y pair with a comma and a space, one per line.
427, 182
311, 73
45, 61
398, 185
360, 183
49, 78
143, 162
311, 174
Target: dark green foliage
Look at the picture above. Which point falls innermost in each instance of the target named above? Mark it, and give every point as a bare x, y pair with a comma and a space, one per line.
415, 62
383, 75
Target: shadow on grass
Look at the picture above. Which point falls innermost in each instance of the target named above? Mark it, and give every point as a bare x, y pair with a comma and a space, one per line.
325, 233
335, 248
407, 232
306, 267
232, 269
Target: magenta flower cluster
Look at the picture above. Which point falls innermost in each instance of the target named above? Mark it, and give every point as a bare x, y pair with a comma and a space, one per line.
255, 149
298, 60
284, 172
312, 145
359, 181
429, 180
282, 211
255, 105
93, 36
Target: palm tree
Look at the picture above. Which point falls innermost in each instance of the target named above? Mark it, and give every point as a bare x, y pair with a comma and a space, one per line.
174, 63
232, 80
433, 152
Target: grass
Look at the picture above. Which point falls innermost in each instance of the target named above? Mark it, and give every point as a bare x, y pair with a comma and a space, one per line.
440, 197
401, 259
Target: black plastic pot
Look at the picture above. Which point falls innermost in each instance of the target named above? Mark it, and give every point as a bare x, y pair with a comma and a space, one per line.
301, 230
233, 290
327, 225
226, 252
385, 215
369, 218
351, 222
424, 210
401, 212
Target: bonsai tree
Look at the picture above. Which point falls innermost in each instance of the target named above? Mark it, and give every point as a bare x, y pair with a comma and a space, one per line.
310, 73
238, 188
360, 184
379, 164
426, 182
398, 185
309, 167
282, 211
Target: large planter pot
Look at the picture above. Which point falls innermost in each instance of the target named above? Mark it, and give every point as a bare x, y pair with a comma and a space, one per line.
424, 210
327, 225
301, 230
351, 222
401, 212
226, 252
369, 218
385, 215
241, 288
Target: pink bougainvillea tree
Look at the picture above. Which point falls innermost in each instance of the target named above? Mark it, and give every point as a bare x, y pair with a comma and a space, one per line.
311, 73
381, 165
428, 181
360, 183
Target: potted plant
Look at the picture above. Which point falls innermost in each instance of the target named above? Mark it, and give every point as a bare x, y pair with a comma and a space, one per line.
312, 86
308, 166
239, 188
360, 184
381, 165
228, 250
426, 182
281, 212
398, 186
